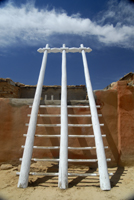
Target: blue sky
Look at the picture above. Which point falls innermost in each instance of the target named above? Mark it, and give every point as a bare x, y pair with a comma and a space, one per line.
106, 26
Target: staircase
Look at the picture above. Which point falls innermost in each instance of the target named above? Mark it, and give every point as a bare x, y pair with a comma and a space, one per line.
65, 125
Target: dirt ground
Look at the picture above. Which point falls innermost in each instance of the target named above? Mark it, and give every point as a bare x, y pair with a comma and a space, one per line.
80, 188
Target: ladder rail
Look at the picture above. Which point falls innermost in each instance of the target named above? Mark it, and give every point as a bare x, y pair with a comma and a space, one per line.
27, 154
63, 163
104, 178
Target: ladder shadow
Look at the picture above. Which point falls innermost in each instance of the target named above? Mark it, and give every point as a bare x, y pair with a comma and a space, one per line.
44, 179
51, 131
116, 178
82, 141
78, 179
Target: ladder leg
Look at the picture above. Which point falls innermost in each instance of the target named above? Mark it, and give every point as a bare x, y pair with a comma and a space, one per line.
102, 164
63, 163
27, 154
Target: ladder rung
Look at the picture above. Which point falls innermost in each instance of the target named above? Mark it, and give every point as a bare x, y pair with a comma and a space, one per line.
46, 159
86, 160
40, 174
69, 160
47, 135
46, 106
50, 106
84, 148
82, 125
69, 125
75, 136
58, 115
69, 174
43, 174
46, 115
47, 125
86, 174
80, 106
69, 106
82, 160
71, 115
108, 159
88, 115
57, 147
110, 174
57, 160
82, 174
82, 136
43, 147
44, 135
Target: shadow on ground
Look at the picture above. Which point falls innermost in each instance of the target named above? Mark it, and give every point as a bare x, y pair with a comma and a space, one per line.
78, 180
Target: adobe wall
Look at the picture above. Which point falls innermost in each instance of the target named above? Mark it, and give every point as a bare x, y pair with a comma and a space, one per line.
11, 89
13, 116
126, 123
117, 109
74, 92
8, 89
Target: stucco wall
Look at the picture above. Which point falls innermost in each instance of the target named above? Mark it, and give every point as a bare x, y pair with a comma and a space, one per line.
117, 109
126, 123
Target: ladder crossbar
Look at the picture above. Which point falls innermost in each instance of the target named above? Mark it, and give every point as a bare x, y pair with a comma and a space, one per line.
84, 148
69, 174
43, 147
46, 159
43, 135
45, 115
82, 160
67, 50
69, 106
43, 174
69, 160
57, 147
75, 136
83, 174
69, 125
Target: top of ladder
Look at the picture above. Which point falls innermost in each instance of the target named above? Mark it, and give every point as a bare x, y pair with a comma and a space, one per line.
59, 50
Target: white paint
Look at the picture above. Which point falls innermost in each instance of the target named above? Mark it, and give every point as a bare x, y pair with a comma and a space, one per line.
63, 160
63, 164
45, 97
60, 50
52, 97
102, 165
27, 154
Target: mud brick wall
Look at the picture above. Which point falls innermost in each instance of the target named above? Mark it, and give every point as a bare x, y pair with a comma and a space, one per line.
116, 107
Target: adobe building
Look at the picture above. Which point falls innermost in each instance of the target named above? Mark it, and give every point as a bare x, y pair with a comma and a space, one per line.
116, 106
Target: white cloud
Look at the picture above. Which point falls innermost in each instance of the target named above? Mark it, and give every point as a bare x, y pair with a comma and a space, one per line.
30, 26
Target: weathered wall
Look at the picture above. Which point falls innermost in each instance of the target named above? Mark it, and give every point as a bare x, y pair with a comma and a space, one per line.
117, 109
8, 89
14, 112
11, 89
74, 92
126, 122
108, 102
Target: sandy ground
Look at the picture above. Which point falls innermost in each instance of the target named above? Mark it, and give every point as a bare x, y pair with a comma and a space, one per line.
46, 188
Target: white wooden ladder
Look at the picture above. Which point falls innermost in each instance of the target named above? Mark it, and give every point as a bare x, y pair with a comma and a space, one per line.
63, 157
